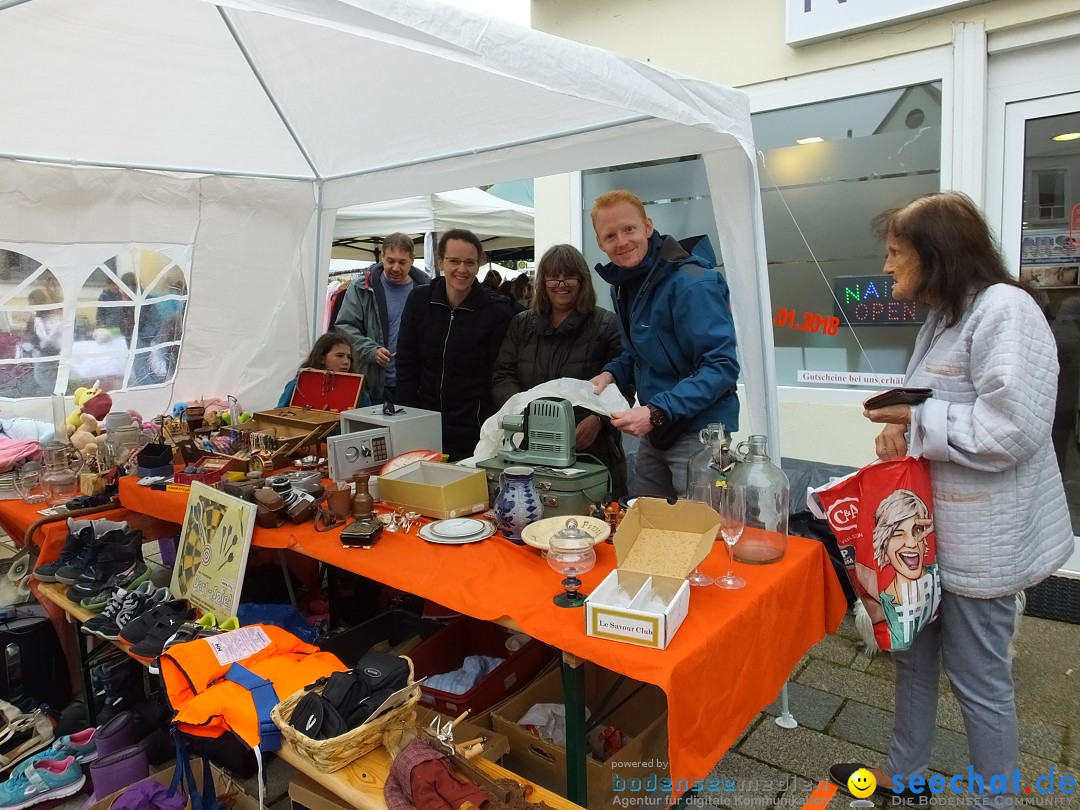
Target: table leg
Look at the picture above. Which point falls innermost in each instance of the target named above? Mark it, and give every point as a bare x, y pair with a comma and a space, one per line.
82, 644
573, 676
288, 576
785, 719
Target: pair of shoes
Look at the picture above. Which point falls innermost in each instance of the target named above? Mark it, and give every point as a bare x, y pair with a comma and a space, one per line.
82, 746
131, 578
78, 550
117, 558
841, 773
124, 606
148, 632
41, 781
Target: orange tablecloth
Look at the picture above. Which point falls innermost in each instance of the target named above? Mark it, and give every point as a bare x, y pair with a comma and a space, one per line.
171, 506
16, 517
727, 662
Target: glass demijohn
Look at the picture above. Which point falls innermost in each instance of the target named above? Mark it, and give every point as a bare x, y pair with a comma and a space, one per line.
570, 552
766, 492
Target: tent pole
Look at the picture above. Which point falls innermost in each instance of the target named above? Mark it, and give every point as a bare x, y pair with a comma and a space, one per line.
144, 167
318, 303
266, 89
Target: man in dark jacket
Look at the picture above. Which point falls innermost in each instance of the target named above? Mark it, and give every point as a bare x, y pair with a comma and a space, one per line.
451, 331
370, 314
678, 339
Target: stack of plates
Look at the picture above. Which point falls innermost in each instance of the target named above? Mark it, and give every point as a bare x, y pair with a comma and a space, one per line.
458, 531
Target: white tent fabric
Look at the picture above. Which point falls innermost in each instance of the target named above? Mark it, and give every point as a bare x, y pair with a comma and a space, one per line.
498, 223
237, 127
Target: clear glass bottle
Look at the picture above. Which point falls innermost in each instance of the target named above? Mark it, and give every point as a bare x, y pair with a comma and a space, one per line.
711, 463
767, 493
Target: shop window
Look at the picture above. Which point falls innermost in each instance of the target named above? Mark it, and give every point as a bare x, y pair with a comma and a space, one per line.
828, 168
1046, 198
120, 321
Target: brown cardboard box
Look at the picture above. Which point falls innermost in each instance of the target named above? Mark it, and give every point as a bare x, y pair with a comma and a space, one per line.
435, 490
643, 717
222, 784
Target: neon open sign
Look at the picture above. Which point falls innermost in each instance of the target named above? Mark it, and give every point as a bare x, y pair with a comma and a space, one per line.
868, 301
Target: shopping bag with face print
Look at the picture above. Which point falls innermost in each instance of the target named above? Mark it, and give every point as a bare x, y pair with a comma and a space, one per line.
883, 520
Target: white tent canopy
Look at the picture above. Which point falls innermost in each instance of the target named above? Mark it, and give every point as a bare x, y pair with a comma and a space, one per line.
498, 223
222, 127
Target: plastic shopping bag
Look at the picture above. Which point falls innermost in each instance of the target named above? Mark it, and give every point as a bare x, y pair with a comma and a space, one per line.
883, 520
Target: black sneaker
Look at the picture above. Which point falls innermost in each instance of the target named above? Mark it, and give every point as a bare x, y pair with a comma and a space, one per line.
73, 546
108, 613
135, 630
131, 609
153, 643
119, 554
69, 572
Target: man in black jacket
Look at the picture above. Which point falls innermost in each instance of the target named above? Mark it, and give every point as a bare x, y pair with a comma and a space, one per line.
451, 331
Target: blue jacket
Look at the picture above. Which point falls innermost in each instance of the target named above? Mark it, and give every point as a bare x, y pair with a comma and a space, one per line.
680, 353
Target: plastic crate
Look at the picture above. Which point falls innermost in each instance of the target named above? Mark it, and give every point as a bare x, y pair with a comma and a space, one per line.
392, 628
446, 650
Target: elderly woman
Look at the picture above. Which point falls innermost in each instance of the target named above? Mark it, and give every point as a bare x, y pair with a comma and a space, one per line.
564, 334
450, 332
1000, 517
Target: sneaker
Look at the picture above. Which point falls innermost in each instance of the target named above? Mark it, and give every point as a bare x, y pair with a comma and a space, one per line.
230, 624
119, 554
69, 572
41, 781
203, 627
153, 643
129, 580
107, 613
174, 613
82, 746
142, 601
73, 547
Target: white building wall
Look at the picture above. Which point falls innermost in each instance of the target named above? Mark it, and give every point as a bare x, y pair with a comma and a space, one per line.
742, 44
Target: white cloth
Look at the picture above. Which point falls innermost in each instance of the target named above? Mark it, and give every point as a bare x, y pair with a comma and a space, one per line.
578, 392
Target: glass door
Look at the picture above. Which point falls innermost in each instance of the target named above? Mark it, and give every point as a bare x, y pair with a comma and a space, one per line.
1041, 240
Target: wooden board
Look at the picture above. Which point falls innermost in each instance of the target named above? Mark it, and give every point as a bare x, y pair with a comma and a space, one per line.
361, 783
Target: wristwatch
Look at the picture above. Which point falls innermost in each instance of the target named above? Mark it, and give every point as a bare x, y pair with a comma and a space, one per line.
657, 417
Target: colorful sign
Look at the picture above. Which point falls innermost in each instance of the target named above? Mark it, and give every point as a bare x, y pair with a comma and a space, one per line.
868, 301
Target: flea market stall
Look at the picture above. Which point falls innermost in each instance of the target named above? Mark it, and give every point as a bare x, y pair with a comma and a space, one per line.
215, 135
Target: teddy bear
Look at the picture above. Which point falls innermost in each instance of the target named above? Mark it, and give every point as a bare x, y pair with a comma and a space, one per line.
92, 401
85, 437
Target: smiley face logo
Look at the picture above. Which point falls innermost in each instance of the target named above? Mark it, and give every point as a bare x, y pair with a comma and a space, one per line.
861, 783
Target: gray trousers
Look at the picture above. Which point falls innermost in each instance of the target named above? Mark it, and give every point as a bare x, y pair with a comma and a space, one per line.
971, 638
662, 473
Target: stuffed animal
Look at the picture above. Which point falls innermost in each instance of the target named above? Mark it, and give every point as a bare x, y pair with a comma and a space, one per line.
85, 438
91, 400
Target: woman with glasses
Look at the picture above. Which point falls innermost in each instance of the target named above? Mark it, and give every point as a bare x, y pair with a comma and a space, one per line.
450, 333
564, 334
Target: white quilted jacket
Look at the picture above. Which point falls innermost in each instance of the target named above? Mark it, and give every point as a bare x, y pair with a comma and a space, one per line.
1000, 515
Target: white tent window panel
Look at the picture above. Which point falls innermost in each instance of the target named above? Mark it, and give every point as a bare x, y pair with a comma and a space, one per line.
72, 315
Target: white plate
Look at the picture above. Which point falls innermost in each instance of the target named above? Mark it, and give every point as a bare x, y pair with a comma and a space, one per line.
456, 528
537, 534
488, 529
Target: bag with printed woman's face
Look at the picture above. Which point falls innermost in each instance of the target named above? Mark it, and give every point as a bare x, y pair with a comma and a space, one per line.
883, 520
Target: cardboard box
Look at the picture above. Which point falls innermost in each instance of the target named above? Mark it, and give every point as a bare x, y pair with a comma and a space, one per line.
643, 716
657, 545
435, 490
223, 785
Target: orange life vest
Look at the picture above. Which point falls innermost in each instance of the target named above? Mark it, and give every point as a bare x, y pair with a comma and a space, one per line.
207, 704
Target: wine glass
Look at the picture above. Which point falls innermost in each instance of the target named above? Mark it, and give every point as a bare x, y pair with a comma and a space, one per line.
570, 552
28, 486
703, 492
732, 503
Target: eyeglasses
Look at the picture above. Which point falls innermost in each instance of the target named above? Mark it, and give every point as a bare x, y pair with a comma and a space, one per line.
552, 283
454, 263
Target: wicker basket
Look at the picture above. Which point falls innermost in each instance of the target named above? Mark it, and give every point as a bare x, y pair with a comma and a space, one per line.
334, 754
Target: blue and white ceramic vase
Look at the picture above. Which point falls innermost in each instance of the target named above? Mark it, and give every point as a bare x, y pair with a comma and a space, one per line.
518, 503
